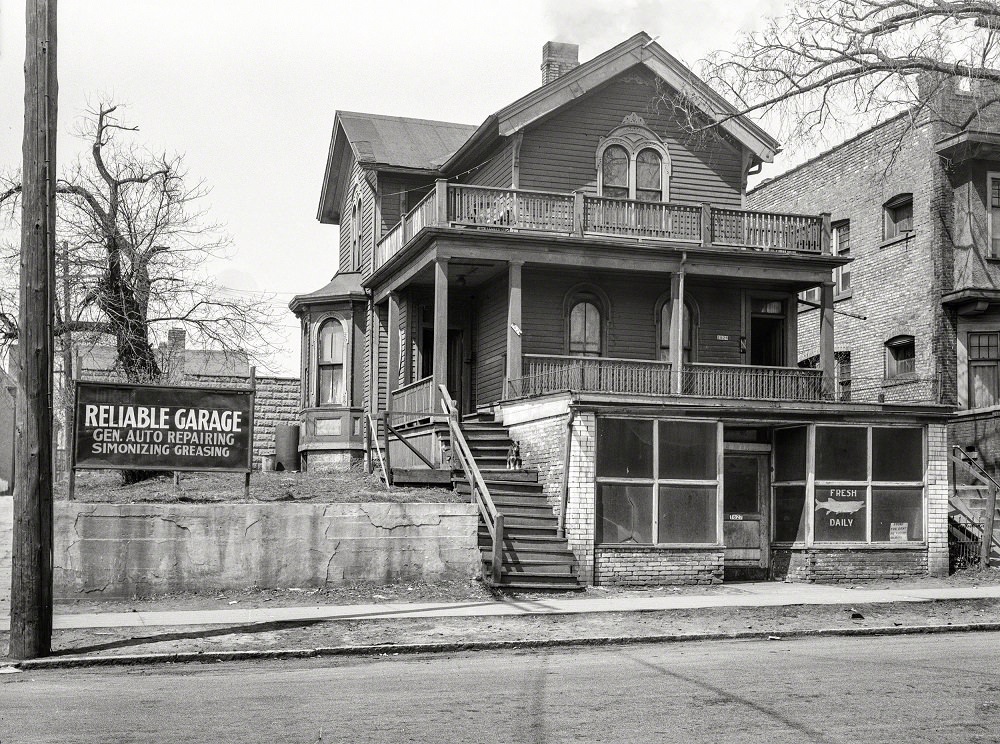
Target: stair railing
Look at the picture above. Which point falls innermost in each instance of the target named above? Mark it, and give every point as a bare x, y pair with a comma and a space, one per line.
480, 492
992, 486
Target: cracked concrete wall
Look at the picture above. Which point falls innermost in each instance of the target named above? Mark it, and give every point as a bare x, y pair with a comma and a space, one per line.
6, 544
140, 549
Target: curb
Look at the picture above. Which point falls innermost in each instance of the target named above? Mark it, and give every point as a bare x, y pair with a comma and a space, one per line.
390, 649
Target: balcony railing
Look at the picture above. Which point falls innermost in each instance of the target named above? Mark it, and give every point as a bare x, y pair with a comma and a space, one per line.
545, 374
753, 383
577, 214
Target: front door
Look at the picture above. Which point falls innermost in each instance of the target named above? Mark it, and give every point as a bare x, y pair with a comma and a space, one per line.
745, 489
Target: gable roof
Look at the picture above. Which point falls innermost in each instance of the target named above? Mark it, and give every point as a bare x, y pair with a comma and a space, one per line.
581, 80
392, 143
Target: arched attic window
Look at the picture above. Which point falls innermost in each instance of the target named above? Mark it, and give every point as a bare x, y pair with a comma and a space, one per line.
633, 163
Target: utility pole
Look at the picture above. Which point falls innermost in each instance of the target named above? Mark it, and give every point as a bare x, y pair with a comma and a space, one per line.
31, 584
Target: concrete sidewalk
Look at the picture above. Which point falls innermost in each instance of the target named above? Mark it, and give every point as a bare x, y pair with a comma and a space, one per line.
765, 594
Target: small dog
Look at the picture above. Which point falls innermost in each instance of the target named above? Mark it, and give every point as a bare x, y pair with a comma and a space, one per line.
514, 456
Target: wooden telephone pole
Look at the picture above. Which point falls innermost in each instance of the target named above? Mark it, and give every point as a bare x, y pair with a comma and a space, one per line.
31, 584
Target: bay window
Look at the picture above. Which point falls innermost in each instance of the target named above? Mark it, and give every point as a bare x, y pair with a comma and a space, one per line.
330, 357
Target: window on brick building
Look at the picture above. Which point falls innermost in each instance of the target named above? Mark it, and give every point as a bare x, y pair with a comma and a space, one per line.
841, 241
657, 482
897, 217
984, 369
900, 357
841, 372
993, 223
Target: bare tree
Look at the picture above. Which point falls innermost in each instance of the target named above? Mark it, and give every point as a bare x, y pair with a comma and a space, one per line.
137, 242
827, 67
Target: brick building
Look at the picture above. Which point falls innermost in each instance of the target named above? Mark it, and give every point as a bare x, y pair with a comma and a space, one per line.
579, 279
915, 202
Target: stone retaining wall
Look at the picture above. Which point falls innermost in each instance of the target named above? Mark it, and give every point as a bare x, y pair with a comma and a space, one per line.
117, 550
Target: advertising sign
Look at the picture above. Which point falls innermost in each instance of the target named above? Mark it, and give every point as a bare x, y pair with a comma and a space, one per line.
840, 513
147, 427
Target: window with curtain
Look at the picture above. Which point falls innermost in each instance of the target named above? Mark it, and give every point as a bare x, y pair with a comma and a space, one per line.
585, 329
648, 176
614, 181
984, 369
331, 388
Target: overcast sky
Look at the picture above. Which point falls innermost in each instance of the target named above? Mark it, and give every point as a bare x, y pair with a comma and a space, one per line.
248, 90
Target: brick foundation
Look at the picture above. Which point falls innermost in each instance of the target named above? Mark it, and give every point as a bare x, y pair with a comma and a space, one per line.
832, 566
649, 566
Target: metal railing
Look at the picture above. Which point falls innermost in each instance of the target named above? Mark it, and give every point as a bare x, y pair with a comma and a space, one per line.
632, 218
754, 383
548, 373
480, 492
413, 402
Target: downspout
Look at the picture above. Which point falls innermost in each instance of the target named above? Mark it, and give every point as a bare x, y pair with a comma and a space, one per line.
565, 474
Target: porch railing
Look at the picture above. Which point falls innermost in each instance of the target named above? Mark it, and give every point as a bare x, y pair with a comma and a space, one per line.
513, 210
675, 222
797, 233
546, 373
755, 383
510, 209
414, 402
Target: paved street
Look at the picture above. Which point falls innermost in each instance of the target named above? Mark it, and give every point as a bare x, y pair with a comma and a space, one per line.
901, 689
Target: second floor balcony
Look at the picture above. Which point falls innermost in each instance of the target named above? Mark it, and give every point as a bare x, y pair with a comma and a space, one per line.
578, 214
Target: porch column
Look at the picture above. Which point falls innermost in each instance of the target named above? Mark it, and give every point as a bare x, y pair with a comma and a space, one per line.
676, 331
514, 367
827, 360
440, 357
392, 374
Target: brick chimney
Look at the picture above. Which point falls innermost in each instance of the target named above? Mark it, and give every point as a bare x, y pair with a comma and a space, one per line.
558, 58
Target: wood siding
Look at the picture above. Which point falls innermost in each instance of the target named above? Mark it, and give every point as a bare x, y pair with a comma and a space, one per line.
558, 154
490, 341
497, 172
632, 321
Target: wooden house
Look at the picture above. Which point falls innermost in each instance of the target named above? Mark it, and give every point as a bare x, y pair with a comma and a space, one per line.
569, 310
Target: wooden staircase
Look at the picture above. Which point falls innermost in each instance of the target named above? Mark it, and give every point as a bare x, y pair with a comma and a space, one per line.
534, 556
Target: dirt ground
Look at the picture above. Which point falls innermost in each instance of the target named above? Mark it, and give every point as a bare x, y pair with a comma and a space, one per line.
329, 633
105, 486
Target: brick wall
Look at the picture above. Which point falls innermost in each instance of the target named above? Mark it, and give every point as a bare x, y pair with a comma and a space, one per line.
835, 566
543, 446
895, 285
938, 493
581, 506
649, 566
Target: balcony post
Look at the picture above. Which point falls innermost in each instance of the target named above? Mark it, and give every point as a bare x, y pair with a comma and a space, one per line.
579, 213
824, 239
441, 202
827, 360
439, 370
515, 369
706, 224
676, 332
392, 373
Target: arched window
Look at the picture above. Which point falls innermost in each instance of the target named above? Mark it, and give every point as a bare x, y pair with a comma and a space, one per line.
687, 332
648, 175
356, 228
633, 163
585, 329
614, 179
332, 389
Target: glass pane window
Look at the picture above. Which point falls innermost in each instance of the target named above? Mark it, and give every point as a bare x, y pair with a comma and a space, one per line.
789, 513
585, 329
331, 388
897, 454
626, 514
688, 450
897, 514
841, 514
687, 514
842, 243
331, 342
648, 175
995, 215
790, 454
740, 485
624, 448
331, 385
614, 170
666, 314
841, 453
984, 384
898, 216
900, 357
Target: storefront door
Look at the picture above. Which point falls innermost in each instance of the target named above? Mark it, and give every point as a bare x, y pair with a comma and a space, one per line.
745, 489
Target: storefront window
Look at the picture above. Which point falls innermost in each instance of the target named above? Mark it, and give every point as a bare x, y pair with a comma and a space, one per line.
676, 461
897, 514
841, 453
789, 513
790, 484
